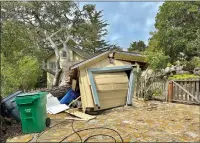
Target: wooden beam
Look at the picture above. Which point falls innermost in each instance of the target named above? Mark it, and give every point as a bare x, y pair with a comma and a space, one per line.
94, 89
110, 69
74, 100
130, 88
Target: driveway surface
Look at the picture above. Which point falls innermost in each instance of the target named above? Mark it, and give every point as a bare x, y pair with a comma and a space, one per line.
150, 121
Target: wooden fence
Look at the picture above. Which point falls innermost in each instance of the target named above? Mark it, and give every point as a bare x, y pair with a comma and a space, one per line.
146, 88
184, 91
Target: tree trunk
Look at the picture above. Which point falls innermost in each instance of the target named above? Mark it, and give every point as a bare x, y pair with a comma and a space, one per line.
65, 75
58, 69
65, 48
55, 48
57, 91
65, 78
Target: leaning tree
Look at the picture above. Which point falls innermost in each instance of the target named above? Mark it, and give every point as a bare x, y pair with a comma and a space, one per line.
58, 24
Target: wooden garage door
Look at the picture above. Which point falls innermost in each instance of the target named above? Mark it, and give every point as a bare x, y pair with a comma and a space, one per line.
112, 89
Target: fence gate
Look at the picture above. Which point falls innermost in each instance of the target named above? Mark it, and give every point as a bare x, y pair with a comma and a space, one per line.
184, 91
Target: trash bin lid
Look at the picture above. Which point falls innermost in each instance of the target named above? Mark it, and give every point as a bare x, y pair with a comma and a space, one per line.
11, 96
28, 94
28, 98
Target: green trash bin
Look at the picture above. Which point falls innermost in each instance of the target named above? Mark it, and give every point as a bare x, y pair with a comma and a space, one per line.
32, 108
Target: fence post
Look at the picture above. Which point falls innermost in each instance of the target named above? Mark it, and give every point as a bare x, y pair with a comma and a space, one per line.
170, 91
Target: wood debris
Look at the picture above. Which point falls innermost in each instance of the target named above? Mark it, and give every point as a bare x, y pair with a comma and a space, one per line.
79, 114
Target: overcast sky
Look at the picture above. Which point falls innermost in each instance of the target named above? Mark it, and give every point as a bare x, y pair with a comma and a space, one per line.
128, 21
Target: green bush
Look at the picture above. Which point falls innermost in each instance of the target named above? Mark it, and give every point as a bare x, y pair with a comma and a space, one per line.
157, 59
189, 66
183, 76
153, 92
169, 64
20, 75
157, 92
196, 61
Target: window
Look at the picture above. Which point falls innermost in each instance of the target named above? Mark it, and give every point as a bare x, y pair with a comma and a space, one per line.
52, 66
64, 54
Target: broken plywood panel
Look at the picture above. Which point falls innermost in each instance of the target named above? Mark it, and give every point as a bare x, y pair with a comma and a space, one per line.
78, 119
80, 114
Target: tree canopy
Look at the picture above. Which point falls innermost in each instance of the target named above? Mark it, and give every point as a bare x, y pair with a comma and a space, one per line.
137, 46
20, 66
177, 30
85, 25
90, 29
32, 29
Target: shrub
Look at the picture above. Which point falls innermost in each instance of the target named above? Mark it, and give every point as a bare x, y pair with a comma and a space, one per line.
169, 65
156, 60
189, 66
183, 76
20, 75
196, 61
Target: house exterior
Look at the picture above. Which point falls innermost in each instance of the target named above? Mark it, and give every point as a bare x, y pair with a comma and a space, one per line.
107, 80
73, 56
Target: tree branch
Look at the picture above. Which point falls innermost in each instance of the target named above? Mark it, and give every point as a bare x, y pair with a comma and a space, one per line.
56, 32
54, 46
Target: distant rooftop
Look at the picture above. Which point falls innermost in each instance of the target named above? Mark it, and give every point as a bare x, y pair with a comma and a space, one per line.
79, 52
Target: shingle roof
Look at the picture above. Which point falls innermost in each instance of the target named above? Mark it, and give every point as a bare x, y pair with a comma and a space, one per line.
79, 52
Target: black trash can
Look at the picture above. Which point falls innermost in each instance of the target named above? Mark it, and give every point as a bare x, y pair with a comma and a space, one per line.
9, 106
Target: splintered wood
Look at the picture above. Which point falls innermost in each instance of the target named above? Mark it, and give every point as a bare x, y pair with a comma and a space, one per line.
79, 114
74, 84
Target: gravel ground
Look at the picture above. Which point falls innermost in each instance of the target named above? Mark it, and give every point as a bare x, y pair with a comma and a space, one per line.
150, 121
